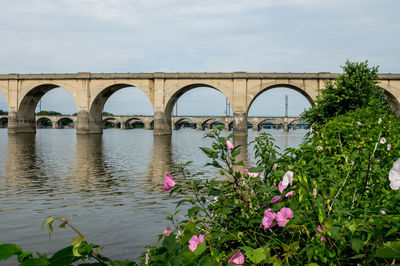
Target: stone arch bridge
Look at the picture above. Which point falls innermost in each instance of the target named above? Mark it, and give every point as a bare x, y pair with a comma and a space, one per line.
90, 92
197, 122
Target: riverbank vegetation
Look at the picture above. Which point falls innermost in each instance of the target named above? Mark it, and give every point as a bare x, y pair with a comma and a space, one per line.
334, 200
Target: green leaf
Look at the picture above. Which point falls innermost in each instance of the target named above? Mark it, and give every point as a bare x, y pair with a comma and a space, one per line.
356, 244
256, 255
24, 256
201, 247
8, 250
209, 152
64, 256
389, 250
35, 262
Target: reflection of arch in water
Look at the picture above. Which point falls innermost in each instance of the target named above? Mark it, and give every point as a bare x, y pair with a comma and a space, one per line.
21, 164
160, 164
91, 175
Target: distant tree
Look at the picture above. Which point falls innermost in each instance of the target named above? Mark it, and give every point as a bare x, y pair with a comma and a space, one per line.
3, 112
107, 114
48, 113
355, 88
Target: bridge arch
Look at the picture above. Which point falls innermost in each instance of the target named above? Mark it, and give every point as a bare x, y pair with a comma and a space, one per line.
266, 87
44, 121
23, 119
266, 121
103, 92
175, 93
61, 122
391, 93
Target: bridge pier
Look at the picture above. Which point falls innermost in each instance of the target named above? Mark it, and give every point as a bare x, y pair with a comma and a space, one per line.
162, 124
285, 124
86, 124
240, 124
18, 123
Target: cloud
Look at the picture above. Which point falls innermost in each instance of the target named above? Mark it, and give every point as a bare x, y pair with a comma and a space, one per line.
197, 36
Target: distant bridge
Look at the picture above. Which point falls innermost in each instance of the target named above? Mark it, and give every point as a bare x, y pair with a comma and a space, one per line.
177, 122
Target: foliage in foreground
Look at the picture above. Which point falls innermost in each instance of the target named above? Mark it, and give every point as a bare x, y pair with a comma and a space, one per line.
328, 202
333, 193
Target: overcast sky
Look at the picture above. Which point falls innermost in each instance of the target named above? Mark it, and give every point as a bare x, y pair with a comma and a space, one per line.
56, 36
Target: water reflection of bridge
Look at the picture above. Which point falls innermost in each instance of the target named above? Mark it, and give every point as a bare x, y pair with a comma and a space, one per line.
178, 122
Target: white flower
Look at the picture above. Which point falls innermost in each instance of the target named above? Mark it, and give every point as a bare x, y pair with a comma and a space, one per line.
383, 212
319, 148
287, 179
382, 141
379, 120
389, 146
359, 123
394, 175
274, 166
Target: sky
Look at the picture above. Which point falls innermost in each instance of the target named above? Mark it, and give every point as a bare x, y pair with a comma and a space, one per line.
47, 36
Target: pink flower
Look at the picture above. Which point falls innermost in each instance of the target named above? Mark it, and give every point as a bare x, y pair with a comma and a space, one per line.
229, 145
275, 199
253, 174
237, 258
281, 187
274, 166
284, 216
319, 228
314, 192
290, 193
245, 171
268, 219
323, 239
194, 241
169, 182
287, 179
167, 231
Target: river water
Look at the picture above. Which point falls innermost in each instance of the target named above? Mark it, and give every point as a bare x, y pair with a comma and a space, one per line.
112, 184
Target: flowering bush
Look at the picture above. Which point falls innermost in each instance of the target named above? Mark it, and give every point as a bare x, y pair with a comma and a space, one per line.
334, 200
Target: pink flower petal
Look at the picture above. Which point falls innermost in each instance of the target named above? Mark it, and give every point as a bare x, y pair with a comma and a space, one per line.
229, 145
245, 171
237, 258
319, 228
314, 192
290, 193
284, 216
169, 182
281, 187
275, 199
268, 219
167, 231
194, 241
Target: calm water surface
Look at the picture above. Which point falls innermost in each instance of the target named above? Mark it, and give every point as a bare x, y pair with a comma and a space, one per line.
112, 184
